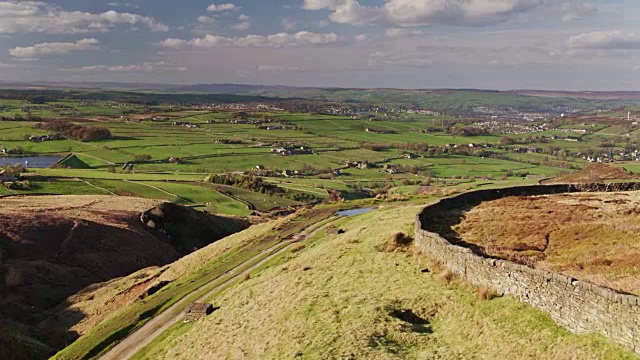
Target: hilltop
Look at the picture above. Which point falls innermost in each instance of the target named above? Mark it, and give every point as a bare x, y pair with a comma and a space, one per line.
596, 172
52, 247
356, 293
589, 236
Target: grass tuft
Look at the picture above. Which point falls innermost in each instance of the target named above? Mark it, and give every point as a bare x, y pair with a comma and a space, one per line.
398, 242
486, 293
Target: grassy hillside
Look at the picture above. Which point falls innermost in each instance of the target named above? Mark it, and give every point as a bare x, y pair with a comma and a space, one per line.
55, 247
340, 296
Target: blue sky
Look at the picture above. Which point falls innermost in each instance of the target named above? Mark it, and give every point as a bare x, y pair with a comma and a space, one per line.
498, 44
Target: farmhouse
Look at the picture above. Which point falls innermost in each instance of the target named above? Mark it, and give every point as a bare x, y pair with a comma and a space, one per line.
197, 311
6, 178
37, 138
175, 160
287, 151
16, 151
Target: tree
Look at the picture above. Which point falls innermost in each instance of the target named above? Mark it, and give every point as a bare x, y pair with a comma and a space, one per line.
505, 140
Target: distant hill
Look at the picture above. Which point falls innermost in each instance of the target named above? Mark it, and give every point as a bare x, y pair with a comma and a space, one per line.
591, 173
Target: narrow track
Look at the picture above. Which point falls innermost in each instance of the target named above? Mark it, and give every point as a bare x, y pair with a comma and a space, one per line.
161, 322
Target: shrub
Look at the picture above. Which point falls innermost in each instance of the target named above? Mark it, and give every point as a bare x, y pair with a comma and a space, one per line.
447, 276
399, 241
297, 247
486, 293
75, 131
142, 157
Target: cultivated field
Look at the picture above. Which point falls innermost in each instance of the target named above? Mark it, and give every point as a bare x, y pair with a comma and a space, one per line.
590, 236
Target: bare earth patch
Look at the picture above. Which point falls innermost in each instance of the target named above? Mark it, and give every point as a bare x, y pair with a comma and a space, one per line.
589, 236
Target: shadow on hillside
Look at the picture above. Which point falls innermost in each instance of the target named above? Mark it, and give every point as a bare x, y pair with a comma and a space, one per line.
50, 260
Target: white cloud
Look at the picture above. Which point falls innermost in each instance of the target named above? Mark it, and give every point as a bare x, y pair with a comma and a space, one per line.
457, 12
125, 4
146, 67
425, 12
242, 26
401, 32
243, 17
112, 69
578, 11
40, 17
605, 40
54, 48
222, 7
302, 38
321, 4
205, 19
361, 37
320, 23
351, 12
289, 24
276, 68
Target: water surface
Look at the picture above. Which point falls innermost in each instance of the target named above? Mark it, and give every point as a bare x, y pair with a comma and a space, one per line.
30, 161
353, 212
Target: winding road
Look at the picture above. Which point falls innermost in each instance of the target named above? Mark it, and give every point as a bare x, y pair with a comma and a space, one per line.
142, 337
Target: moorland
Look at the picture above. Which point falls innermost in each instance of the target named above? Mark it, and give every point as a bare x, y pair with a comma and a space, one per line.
284, 160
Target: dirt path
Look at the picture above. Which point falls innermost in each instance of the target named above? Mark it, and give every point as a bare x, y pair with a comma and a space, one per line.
159, 189
97, 158
156, 326
96, 186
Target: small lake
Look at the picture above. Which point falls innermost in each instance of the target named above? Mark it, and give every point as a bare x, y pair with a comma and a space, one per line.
30, 161
353, 212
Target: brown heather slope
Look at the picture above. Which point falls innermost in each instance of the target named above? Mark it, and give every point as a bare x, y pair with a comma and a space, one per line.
590, 236
52, 247
591, 173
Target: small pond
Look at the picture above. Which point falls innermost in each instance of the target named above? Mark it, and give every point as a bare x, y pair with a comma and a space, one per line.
353, 212
30, 161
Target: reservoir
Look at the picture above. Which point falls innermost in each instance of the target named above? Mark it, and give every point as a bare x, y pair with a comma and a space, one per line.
353, 212
30, 161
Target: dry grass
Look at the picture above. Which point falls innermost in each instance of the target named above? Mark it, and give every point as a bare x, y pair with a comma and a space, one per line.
446, 276
486, 293
360, 303
101, 302
593, 173
397, 242
297, 247
590, 236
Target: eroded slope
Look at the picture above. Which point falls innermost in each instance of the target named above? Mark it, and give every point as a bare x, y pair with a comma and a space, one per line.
52, 247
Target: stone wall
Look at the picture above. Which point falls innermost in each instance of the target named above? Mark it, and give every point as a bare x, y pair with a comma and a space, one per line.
577, 305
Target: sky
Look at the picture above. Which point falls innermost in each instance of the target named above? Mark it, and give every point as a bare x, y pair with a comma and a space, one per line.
488, 44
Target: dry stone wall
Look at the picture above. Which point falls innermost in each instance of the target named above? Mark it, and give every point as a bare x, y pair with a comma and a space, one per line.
577, 305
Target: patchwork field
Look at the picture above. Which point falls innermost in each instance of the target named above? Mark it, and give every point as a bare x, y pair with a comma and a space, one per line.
589, 236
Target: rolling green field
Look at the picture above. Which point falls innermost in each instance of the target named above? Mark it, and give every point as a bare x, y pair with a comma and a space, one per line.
247, 155
216, 145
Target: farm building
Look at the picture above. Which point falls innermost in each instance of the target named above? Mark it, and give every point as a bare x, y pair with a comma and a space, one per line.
197, 311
